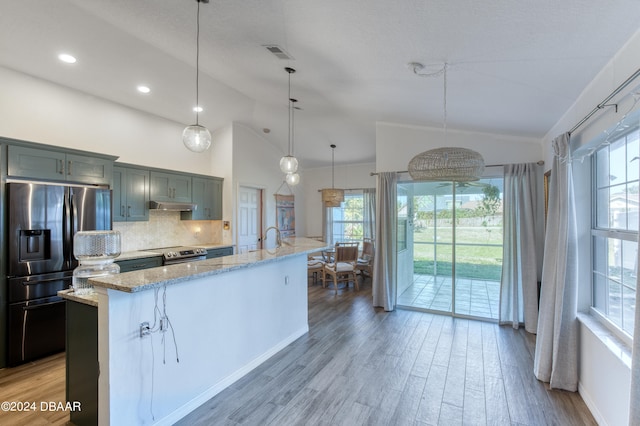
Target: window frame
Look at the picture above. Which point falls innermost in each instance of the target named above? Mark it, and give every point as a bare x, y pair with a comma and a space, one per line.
353, 193
610, 233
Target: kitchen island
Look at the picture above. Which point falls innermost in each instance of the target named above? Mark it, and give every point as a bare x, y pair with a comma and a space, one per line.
170, 338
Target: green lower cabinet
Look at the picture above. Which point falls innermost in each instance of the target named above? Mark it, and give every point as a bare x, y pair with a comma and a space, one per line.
219, 252
139, 264
82, 362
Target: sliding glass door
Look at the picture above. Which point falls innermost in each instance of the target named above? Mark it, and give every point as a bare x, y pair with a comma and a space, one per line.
456, 248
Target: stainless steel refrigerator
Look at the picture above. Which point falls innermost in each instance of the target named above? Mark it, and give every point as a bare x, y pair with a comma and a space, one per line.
43, 219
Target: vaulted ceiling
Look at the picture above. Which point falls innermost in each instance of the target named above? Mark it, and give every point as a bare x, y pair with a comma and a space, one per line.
515, 67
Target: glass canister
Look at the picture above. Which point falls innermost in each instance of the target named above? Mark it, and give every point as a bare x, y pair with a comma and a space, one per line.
95, 251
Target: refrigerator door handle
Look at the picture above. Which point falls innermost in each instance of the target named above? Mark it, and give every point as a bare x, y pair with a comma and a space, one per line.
73, 221
46, 280
41, 305
67, 230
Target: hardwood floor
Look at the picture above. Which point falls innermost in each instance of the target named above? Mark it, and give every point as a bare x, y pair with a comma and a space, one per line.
359, 365
41, 381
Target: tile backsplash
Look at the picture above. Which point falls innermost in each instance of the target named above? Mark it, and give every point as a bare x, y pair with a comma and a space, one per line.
165, 229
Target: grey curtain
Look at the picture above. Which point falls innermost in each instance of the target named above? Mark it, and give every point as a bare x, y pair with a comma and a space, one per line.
634, 403
556, 356
523, 245
384, 263
369, 199
327, 231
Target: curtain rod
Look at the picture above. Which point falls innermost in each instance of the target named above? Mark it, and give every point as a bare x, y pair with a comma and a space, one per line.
352, 189
539, 163
603, 104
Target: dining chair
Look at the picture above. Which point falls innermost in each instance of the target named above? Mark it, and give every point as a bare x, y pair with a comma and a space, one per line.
343, 267
315, 266
365, 261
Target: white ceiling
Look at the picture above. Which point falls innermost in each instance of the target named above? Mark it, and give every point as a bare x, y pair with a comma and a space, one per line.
515, 66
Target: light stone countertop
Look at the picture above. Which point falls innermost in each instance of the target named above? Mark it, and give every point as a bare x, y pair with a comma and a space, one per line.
148, 279
87, 299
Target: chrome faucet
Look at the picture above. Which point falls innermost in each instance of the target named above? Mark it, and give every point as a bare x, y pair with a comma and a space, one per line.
278, 236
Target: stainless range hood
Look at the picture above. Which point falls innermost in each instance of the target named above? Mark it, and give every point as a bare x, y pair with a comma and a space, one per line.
172, 206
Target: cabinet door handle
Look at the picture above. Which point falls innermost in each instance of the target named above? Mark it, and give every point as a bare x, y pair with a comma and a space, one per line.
174, 193
122, 210
61, 167
69, 166
128, 211
142, 266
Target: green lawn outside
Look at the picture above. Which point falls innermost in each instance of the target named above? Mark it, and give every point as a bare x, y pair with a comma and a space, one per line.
465, 234
463, 270
479, 261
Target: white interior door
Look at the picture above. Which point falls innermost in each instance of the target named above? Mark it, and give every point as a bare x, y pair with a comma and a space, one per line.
404, 258
249, 219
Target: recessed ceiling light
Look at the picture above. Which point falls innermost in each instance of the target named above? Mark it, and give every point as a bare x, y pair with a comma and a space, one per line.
65, 57
143, 89
197, 109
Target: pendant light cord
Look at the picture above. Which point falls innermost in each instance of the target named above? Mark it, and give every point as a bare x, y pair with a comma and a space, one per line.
290, 115
198, 63
445, 103
418, 69
333, 152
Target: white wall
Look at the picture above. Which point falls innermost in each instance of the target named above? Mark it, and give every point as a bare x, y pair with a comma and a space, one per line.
397, 144
256, 163
351, 176
35, 110
621, 66
606, 393
222, 166
604, 380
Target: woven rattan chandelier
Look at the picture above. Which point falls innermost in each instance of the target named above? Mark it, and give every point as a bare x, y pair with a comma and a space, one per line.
332, 197
446, 163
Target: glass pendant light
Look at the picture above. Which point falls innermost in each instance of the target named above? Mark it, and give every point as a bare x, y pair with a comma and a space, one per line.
289, 163
195, 137
292, 179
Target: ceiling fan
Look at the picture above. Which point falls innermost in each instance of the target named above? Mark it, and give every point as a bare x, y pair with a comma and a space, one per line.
464, 184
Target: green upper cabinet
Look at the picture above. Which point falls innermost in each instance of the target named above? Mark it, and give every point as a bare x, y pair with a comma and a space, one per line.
207, 194
170, 187
130, 194
40, 163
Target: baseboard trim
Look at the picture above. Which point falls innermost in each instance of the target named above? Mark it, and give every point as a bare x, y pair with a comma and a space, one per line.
591, 405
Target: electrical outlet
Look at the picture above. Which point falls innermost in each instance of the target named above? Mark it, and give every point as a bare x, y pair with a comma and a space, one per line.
286, 280
164, 324
145, 330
